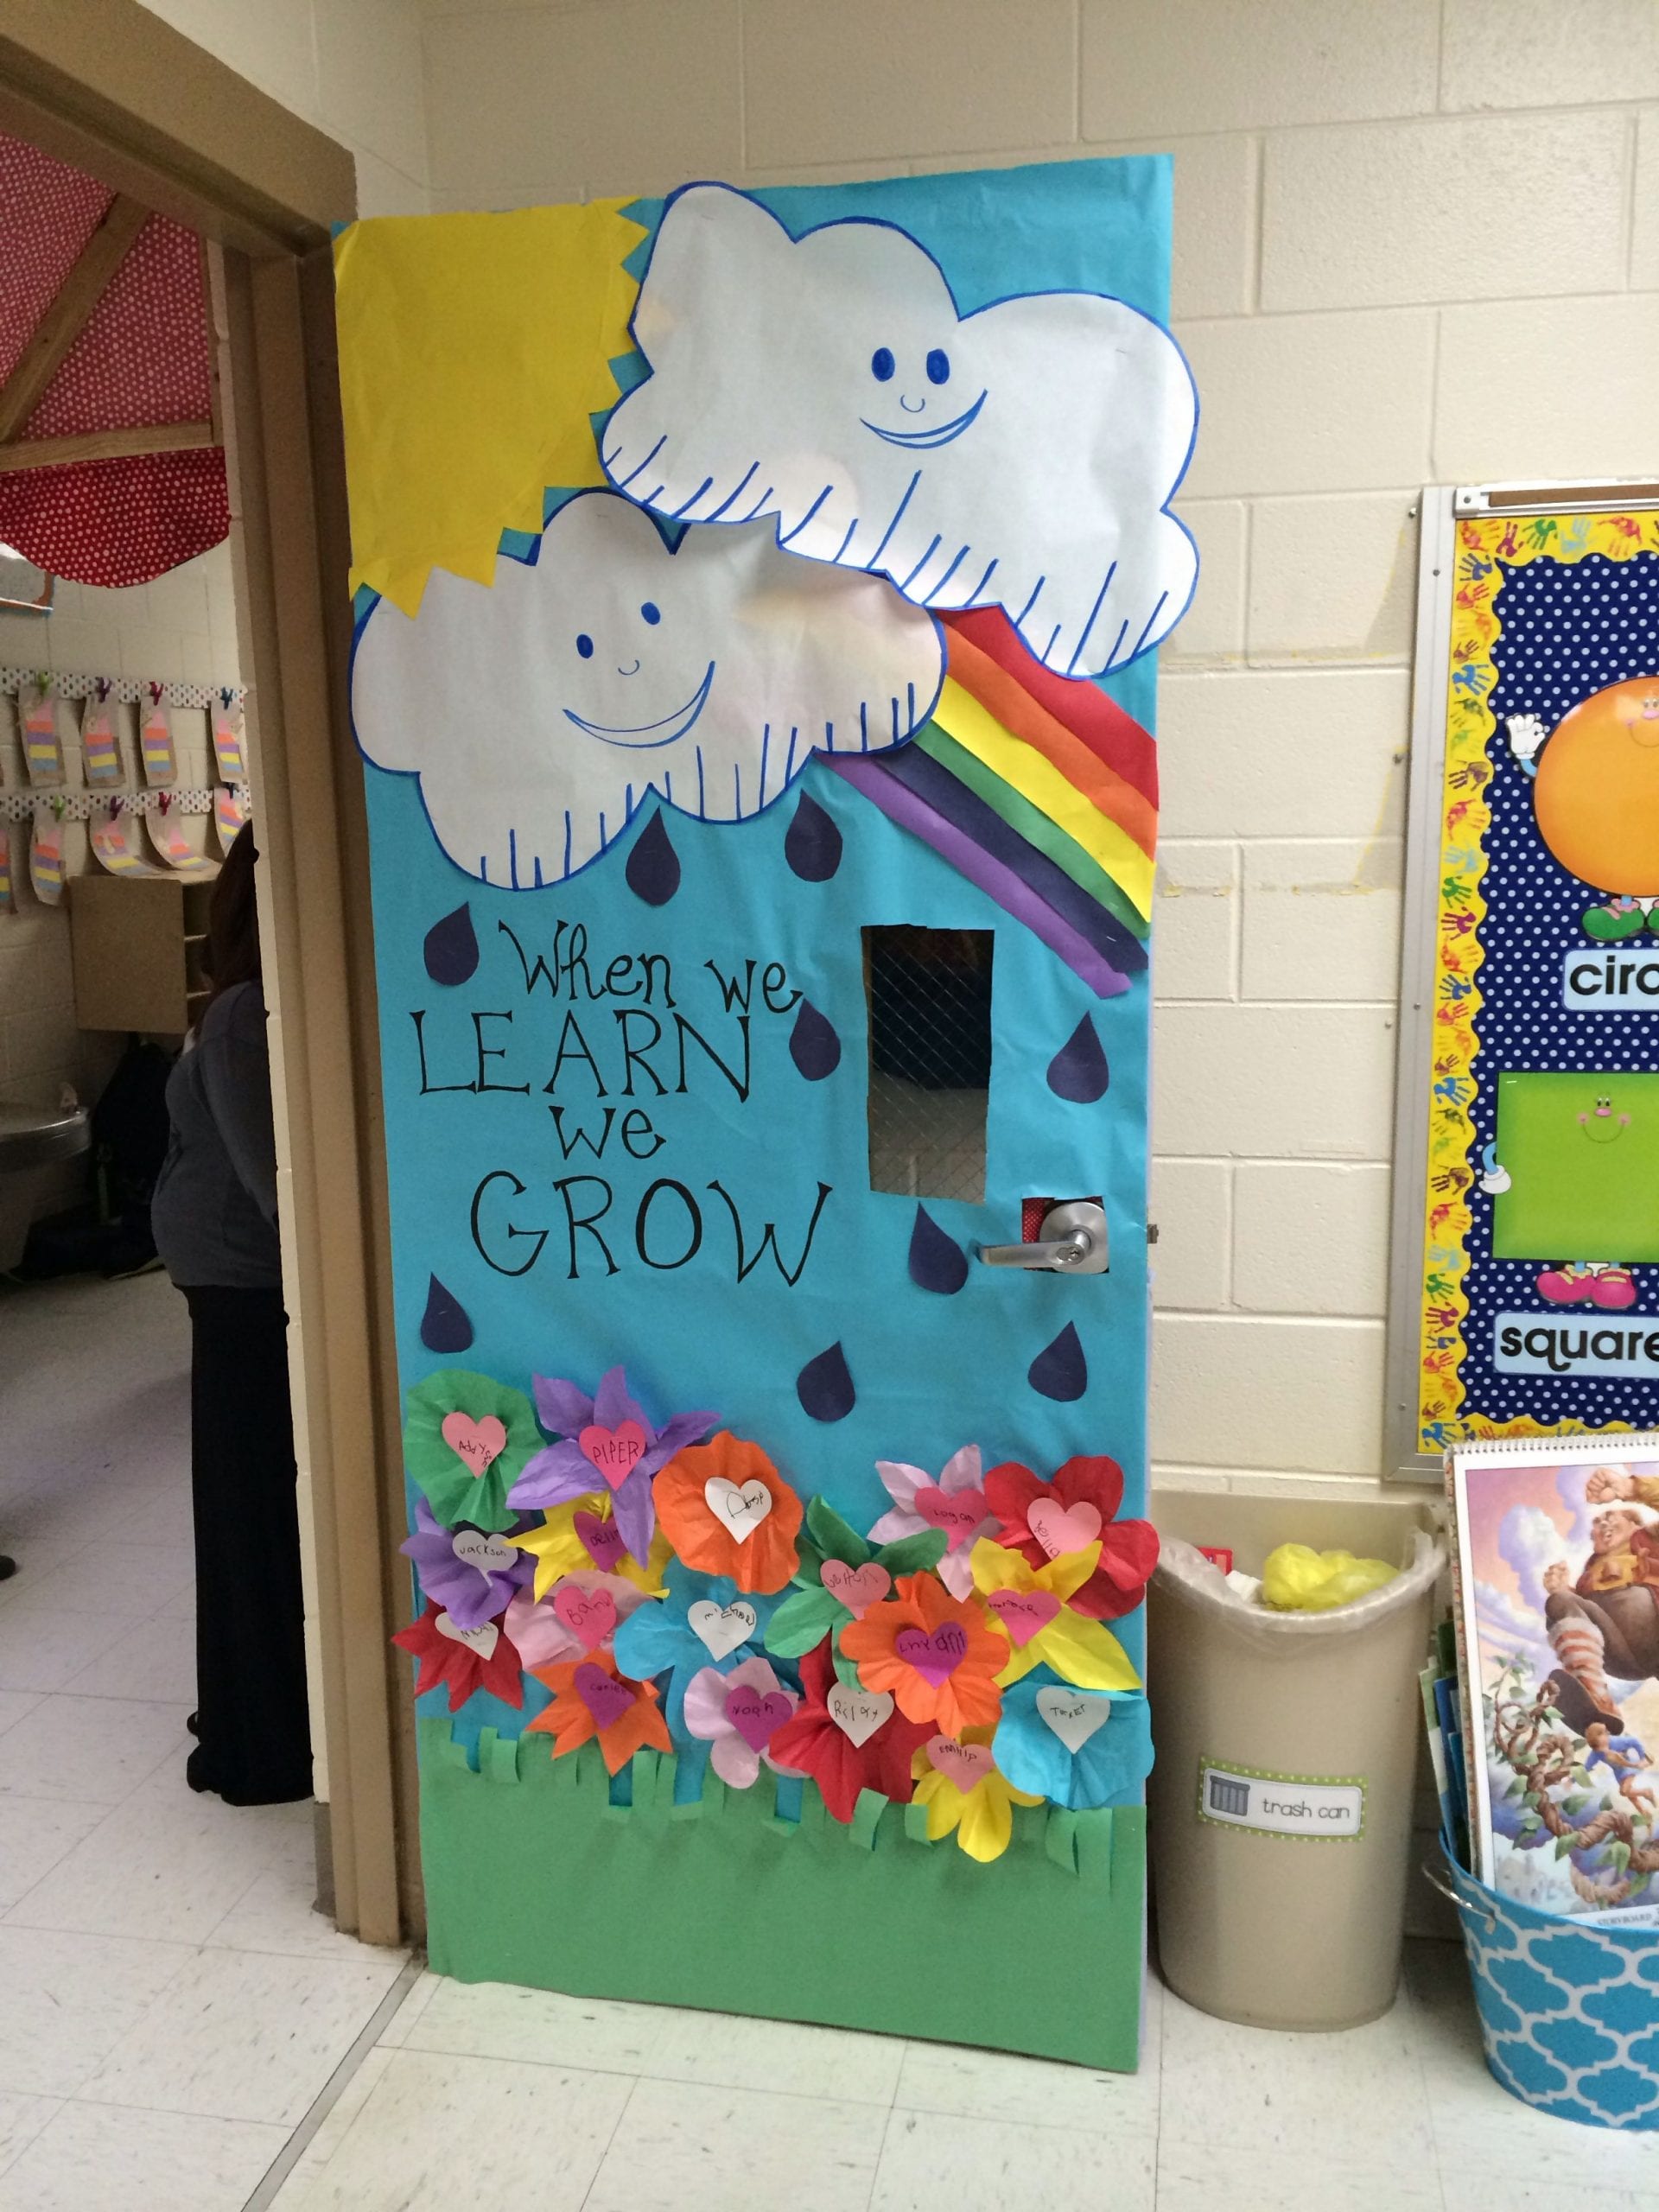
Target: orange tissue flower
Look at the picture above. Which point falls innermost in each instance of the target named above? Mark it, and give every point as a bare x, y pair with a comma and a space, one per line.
937, 1655
727, 1510
592, 1702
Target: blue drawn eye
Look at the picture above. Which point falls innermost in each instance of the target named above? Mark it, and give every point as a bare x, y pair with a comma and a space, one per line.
652, 613
585, 646
938, 367
881, 365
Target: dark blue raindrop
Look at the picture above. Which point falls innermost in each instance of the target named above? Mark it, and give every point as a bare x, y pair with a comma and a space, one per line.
936, 1262
812, 848
813, 1044
446, 1325
825, 1386
653, 868
1060, 1370
451, 948
1078, 1070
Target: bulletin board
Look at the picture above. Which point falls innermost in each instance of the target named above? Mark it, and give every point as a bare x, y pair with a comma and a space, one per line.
1525, 1269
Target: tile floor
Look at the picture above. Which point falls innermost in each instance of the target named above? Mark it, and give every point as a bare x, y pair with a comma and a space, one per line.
179, 2031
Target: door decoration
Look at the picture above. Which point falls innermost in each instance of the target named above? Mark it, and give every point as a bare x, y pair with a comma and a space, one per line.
716, 1604
1539, 1266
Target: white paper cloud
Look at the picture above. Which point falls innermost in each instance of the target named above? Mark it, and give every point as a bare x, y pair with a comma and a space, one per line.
538, 713
1019, 456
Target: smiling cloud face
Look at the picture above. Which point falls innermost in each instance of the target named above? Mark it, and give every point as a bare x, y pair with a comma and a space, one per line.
1019, 456
539, 712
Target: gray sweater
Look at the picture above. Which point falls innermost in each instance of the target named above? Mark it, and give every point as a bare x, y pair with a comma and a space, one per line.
214, 1210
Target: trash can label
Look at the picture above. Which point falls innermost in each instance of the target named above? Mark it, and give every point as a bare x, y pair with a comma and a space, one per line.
1328, 1809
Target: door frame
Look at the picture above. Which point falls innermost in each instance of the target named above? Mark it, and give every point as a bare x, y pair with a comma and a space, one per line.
108, 87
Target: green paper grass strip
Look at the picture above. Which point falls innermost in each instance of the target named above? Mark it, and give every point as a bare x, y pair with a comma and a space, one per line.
1061, 1839
470, 1402
916, 1824
866, 1818
497, 1756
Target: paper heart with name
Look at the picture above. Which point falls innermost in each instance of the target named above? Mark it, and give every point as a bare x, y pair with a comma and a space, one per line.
756, 1719
1024, 1613
1060, 1528
477, 1444
959, 1513
1073, 1717
590, 1614
740, 1510
601, 1540
482, 1639
489, 1554
858, 1713
964, 1764
937, 1656
615, 1451
855, 1587
606, 1698
720, 1629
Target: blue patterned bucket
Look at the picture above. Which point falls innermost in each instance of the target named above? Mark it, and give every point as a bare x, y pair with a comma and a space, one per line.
1569, 2011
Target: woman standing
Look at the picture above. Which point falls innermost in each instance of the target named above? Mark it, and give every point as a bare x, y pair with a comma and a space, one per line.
215, 1214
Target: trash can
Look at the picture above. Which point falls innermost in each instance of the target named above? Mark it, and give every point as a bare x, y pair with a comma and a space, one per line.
1281, 1798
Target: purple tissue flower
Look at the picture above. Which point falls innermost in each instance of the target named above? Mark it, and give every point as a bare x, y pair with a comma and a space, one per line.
468, 1573
605, 1441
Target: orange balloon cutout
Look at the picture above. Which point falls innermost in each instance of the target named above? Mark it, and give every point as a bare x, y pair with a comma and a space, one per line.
1597, 793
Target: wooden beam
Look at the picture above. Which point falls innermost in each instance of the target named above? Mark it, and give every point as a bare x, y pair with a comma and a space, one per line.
65, 318
106, 445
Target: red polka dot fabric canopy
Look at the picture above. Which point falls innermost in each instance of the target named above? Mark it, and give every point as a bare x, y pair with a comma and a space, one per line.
110, 468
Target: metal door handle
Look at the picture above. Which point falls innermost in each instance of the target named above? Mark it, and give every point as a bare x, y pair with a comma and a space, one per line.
1074, 1242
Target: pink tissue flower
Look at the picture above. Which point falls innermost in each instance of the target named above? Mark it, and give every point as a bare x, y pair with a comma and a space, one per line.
577, 1617
955, 1502
738, 1713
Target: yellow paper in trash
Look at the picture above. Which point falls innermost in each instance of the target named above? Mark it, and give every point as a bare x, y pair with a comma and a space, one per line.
1297, 1580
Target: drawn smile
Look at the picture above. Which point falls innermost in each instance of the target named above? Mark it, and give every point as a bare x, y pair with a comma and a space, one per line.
645, 737
940, 435
1601, 1128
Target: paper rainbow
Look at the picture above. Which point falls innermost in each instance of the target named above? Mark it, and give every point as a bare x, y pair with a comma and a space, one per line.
1038, 789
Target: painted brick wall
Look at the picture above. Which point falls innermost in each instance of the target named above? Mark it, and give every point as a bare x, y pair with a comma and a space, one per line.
1413, 242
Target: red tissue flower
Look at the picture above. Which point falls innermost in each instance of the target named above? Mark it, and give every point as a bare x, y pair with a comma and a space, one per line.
462, 1660
1044, 1521
814, 1742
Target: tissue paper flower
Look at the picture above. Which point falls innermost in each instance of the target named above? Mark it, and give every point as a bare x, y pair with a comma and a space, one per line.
582, 1533
1030, 1609
848, 1739
1045, 1521
580, 1615
469, 1573
703, 1622
739, 1715
1079, 1748
840, 1576
954, 1503
937, 1654
462, 1660
466, 1441
727, 1510
608, 1435
957, 1781
593, 1703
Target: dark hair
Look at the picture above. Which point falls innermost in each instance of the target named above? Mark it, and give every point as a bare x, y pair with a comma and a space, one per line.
233, 955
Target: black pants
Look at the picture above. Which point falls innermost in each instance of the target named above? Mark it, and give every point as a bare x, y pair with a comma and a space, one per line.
254, 1744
